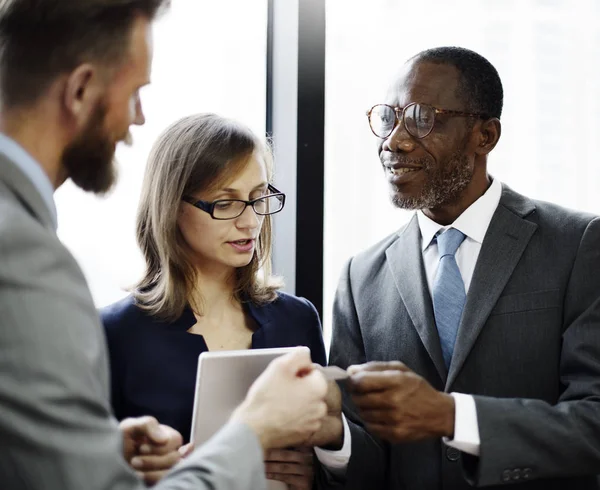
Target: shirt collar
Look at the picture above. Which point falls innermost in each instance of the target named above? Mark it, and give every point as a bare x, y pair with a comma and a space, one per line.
32, 170
473, 222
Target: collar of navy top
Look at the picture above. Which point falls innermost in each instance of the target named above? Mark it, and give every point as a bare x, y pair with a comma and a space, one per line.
258, 313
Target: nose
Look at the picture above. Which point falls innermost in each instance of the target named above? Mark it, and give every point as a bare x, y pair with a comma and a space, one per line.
399, 141
248, 220
139, 118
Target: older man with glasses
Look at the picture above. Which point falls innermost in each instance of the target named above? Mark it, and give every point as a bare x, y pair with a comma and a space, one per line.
472, 335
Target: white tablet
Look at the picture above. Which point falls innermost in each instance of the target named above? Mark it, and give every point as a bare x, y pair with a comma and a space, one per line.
222, 381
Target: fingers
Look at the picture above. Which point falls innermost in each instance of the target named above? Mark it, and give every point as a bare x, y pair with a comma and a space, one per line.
144, 427
375, 366
367, 381
151, 477
155, 462
293, 467
378, 416
295, 482
172, 442
289, 456
148, 430
288, 469
318, 383
185, 451
380, 400
296, 362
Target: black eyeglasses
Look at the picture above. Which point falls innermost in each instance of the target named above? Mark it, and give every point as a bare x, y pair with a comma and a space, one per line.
223, 209
418, 119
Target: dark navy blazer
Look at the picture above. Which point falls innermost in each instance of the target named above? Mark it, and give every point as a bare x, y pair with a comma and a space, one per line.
153, 363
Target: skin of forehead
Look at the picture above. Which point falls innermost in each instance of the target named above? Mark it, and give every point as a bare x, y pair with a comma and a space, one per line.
428, 83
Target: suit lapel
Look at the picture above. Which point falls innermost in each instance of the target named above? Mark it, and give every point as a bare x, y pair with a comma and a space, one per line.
25, 191
406, 263
504, 243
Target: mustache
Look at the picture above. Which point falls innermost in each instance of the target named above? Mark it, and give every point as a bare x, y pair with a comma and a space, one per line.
128, 139
406, 161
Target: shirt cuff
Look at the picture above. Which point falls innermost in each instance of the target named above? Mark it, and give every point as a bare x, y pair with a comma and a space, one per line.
466, 427
336, 462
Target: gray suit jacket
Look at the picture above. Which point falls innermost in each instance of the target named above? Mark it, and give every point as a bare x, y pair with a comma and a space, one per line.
528, 349
56, 427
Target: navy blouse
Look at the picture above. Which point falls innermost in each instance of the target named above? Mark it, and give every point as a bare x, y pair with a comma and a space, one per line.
153, 363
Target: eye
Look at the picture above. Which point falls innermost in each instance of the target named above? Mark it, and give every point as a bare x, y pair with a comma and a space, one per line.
222, 205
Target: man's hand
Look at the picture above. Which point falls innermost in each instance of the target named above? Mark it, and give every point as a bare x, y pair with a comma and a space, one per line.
398, 405
185, 451
286, 404
149, 447
331, 434
291, 466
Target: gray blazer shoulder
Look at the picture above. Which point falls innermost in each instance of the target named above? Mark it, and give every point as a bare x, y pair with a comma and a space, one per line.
57, 430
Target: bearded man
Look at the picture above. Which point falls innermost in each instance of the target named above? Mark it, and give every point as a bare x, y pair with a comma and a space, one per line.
474, 330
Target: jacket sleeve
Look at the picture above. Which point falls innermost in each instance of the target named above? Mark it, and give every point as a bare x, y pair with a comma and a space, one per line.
532, 439
56, 428
367, 467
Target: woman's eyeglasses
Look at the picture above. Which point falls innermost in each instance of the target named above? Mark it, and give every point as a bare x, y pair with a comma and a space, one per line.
223, 209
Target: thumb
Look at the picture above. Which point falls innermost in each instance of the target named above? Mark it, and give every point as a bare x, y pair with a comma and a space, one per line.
377, 366
185, 451
150, 428
297, 363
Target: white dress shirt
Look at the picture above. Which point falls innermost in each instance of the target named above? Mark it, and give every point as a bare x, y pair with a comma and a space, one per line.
32, 169
473, 222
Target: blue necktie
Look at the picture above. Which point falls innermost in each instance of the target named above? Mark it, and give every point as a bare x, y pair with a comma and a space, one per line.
448, 291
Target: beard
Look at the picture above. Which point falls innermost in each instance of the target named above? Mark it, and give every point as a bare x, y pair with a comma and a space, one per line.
444, 183
89, 160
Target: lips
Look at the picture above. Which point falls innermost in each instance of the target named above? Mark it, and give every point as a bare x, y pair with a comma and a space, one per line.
402, 170
243, 245
400, 173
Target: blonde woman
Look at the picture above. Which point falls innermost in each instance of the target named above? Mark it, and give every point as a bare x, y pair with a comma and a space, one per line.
204, 228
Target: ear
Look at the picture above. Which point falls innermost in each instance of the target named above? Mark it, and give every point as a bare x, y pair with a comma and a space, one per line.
82, 90
488, 135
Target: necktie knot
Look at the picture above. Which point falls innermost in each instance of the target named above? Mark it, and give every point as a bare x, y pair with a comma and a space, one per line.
449, 241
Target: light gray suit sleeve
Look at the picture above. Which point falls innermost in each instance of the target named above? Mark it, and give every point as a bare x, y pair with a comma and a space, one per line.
368, 460
549, 441
56, 427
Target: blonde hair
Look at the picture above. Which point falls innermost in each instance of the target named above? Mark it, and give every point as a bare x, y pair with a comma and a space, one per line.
197, 152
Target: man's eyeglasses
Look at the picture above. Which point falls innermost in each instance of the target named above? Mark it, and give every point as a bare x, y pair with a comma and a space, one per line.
232, 208
418, 119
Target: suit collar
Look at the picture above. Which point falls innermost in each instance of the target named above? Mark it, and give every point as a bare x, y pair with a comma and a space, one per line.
473, 222
24, 175
505, 241
405, 260
25, 190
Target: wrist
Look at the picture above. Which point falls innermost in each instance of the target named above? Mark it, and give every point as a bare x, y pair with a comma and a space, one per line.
336, 441
447, 415
244, 416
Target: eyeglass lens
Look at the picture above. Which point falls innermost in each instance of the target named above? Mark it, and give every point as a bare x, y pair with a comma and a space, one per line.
232, 209
418, 120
